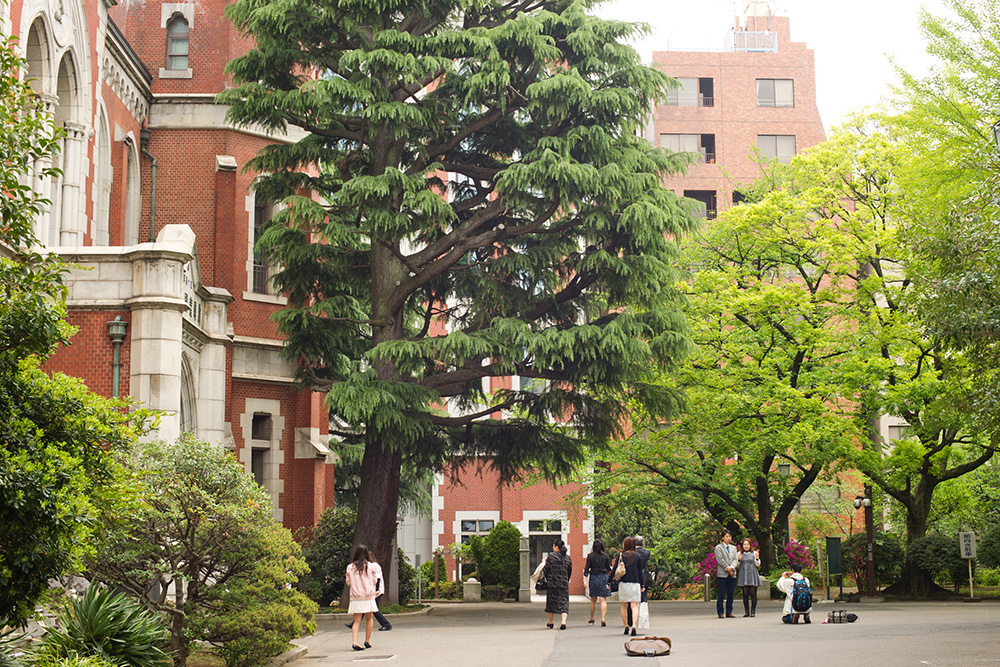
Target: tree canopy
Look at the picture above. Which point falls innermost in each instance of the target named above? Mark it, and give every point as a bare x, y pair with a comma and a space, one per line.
481, 207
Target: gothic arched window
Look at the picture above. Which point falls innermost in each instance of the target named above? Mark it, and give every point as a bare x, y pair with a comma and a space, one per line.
177, 43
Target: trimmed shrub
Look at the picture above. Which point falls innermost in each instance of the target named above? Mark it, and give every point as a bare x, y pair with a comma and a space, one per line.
407, 578
497, 555
326, 548
937, 555
988, 549
111, 627
427, 574
497, 593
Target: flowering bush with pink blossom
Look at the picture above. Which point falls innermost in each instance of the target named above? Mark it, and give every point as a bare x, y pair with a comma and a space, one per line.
707, 566
796, 552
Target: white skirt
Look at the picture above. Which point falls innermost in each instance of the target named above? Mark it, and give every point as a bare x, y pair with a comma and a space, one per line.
362, 606
628, 592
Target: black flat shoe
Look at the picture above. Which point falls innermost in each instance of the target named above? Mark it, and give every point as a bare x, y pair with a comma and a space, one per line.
603, 624
367, 645
548, 625
385, 628
562, 627
746, 615
591, 621
356, 647
348, 625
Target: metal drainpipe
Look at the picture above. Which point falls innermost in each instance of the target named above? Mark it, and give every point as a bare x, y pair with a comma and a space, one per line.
143, 142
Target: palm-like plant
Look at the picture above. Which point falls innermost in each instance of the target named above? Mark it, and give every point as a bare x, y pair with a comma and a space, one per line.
109, 626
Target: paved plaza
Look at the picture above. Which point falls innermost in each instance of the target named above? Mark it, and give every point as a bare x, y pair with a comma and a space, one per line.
514, 635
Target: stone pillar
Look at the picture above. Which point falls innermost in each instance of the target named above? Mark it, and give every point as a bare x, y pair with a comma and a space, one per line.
157, 329
41, 182
212, 367
71, 221
524, 590
472, 591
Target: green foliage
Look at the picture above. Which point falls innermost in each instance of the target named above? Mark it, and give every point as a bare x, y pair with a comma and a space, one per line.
550, 256
889, 553
111, 627
407, 578
937, 554
326, 548
427, 574
71, 661
200, 518
55, 437
255, 621
988, 548
497, 555
986, 576
56, 445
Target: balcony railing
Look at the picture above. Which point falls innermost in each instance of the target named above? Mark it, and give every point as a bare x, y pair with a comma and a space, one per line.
746, 40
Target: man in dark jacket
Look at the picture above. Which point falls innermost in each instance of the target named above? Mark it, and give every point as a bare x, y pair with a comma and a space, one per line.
643, 553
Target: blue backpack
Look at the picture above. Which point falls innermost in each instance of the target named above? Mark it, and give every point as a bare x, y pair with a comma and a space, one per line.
802, 596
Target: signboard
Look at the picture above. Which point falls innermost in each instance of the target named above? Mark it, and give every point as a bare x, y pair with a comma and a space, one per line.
833, 556
967, 543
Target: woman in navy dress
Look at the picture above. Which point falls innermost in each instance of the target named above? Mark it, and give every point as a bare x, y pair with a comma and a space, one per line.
598, 567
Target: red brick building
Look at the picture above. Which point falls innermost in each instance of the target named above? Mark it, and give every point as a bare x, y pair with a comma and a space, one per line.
153, 204
759, 94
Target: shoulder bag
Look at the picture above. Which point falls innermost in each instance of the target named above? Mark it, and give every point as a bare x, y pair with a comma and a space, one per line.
620, 570
649, 647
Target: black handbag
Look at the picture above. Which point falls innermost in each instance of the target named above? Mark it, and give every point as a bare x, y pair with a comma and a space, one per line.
541, 584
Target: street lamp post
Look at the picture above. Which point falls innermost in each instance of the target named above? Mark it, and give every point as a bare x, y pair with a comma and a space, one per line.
866, 502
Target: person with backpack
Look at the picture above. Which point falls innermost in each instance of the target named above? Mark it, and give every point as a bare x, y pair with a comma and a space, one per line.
798, 595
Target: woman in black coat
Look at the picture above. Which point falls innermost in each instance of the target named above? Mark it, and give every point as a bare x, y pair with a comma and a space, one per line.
558, 570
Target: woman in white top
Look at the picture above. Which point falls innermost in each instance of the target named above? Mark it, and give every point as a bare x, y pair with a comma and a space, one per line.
361, 577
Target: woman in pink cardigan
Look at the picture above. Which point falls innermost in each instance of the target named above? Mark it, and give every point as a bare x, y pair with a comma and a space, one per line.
362, 579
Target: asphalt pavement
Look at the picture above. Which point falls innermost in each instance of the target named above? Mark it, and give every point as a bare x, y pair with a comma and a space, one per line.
514, 635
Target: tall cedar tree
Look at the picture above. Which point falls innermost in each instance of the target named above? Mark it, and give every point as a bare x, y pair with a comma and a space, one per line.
485, 208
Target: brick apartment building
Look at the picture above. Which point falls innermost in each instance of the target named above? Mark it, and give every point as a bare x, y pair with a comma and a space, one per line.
760, 93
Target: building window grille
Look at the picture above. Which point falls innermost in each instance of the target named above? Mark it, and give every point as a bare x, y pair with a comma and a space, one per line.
177, 43
780, 147
775, 93
472, 527
261, 268
692, 92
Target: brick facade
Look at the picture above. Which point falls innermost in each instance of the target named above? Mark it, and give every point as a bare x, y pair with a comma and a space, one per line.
732, 115
200, 346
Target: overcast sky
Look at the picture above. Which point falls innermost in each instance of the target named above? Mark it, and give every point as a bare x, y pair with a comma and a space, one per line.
851, 39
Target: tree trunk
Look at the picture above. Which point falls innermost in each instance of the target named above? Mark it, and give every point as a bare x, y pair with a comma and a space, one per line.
178, 645
379, 500
918, 582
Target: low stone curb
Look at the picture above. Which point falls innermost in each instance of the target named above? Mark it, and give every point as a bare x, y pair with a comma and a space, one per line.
340, 616
291, 655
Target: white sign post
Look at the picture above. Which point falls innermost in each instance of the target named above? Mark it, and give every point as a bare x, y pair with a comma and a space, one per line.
967, 543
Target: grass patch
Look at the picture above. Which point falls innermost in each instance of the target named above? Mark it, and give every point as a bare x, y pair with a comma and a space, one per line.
205, 657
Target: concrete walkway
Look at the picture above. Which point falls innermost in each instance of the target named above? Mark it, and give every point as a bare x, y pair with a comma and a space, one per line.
514, 635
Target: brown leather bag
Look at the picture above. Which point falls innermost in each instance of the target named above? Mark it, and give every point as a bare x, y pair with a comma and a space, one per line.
649, 647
